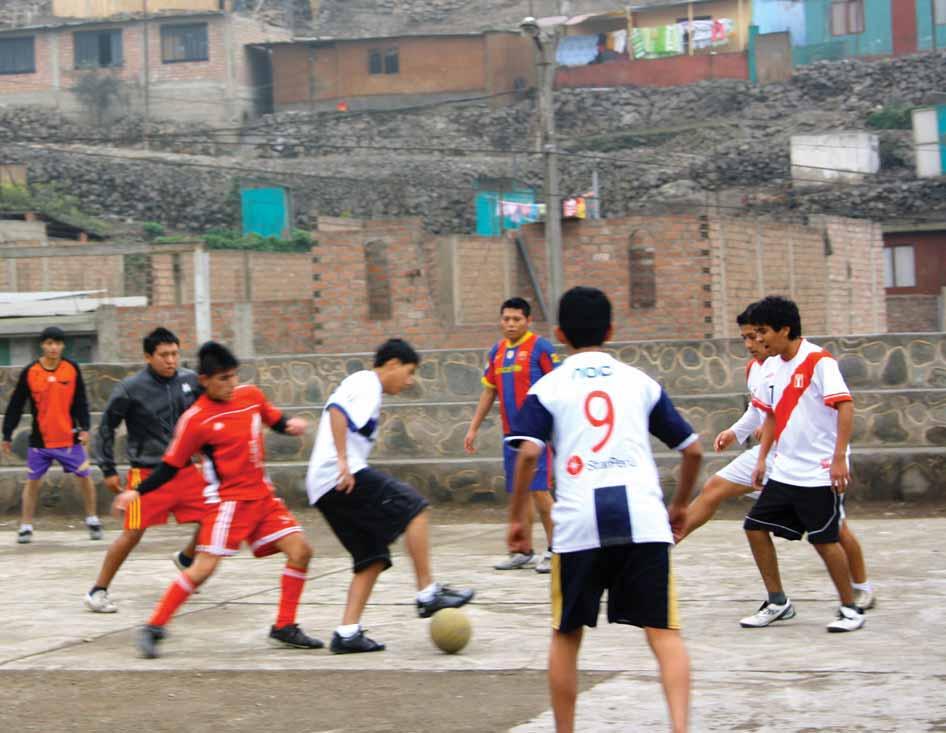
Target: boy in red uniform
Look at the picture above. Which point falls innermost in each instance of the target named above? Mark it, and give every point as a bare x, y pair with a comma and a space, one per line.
225, 425
56, 393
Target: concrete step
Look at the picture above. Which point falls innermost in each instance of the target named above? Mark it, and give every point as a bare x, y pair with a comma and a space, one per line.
881, 474
436, 429
684, 368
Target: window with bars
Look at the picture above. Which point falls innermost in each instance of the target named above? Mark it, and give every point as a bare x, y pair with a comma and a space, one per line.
899, 267
847, 17
184, 43
17, 56
98, 49
392, 64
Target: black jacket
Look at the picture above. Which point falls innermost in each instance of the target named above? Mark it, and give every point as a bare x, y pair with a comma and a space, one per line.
150, 406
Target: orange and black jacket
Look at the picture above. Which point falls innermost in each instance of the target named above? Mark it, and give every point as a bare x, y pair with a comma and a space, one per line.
57, 401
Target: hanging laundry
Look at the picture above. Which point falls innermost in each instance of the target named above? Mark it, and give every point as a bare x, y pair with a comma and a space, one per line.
722, 30
617, 41
576, 50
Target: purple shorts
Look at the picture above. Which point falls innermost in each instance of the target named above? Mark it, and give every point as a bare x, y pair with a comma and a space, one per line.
72, 460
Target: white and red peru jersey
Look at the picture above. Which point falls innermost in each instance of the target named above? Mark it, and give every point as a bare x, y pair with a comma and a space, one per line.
753, 417
802, 393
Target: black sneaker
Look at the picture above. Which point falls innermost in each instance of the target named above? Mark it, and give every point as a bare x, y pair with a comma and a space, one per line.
96, 532
445, 597
354, 644
24, 536
147, 640
294, 637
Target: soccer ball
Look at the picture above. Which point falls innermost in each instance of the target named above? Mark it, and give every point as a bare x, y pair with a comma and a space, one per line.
450, 630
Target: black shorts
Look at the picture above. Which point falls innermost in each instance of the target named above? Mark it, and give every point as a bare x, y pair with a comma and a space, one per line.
791, 511
372, 516
637, 577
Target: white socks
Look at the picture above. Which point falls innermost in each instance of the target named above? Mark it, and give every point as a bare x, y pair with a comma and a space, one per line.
92, 520
426, 595
348, 631
865, 586
26, 526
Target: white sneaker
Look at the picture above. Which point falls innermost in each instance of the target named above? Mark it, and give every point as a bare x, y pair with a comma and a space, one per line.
864, 599
545, 564
768, 613
516, 561
849, 619
99, 602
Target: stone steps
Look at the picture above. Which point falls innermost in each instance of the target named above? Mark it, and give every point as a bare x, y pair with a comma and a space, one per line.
880, 474
899, 383
907, 418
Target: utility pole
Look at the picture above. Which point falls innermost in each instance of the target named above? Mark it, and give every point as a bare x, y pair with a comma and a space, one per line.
147, 69
553, 199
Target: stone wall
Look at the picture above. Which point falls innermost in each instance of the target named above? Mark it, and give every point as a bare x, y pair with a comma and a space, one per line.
898, 381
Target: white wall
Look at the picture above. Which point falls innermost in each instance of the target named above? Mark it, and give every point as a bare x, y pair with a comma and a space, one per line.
834, 157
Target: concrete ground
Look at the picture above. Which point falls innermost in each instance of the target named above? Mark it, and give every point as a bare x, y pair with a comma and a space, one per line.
63, 668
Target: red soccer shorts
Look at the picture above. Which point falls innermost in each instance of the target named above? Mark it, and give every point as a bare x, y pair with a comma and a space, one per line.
260, 523
182, 496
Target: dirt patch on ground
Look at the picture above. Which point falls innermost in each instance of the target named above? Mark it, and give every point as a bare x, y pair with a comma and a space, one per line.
289, 702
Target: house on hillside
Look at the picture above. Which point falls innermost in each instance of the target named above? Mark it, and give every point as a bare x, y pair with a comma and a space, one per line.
372, 73
185, 60
654, 43
838, 29
915, 275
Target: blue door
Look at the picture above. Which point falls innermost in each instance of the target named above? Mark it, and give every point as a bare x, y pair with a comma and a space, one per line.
265, 212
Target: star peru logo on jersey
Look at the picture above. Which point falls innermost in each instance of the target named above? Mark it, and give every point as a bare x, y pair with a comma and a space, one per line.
574, 465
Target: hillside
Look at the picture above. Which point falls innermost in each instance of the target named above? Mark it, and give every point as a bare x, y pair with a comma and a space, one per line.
723, 143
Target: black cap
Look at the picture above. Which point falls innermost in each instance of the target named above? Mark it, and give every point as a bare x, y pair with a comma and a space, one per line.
52, 332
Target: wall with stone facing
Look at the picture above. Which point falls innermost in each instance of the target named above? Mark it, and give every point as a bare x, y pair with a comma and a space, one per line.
898, 381
915, 313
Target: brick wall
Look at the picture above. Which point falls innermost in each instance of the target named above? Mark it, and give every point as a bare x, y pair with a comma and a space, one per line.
692, 275
838, 293
279, 327
670, 72
914, 313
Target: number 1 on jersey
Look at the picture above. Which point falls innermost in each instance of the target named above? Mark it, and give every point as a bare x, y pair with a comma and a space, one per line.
606, 421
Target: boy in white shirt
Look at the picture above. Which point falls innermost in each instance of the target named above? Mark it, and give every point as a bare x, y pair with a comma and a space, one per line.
612, 530
809, 419
366, 509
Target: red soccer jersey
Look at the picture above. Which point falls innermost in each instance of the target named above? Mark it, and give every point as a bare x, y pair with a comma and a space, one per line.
230, 435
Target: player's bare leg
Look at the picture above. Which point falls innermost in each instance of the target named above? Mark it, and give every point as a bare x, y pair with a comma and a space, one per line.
674, 662
359, 590
30, 495
117, 552
855, 556
837, 564
202, 568
191, 549
417, 543
563, 678
87, 489
766, 559
703, 507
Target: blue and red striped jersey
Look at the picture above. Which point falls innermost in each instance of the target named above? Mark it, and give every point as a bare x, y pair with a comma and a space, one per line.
512, 369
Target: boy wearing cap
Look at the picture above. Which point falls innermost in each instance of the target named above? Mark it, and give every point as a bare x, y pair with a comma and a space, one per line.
56, 393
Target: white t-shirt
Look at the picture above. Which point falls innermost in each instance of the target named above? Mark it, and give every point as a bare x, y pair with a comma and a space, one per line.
753, 417
359, 398
597, 413
803, 393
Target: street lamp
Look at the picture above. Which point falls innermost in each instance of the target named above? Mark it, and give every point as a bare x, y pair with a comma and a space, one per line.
546, 44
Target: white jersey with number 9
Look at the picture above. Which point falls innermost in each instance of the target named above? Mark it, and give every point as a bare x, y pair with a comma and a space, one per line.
597, 414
